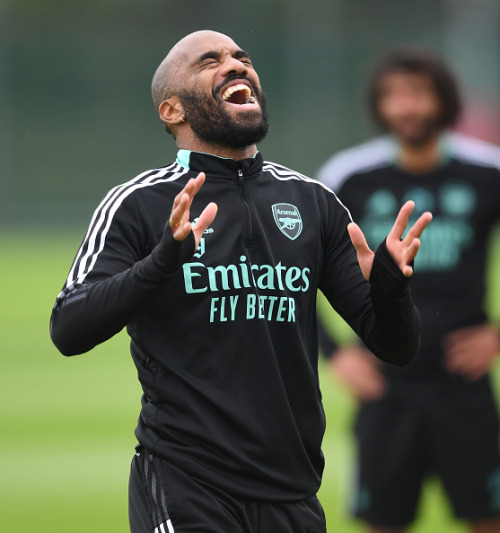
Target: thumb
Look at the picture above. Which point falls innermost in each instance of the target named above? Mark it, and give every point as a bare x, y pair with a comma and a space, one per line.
358, 239
365, 255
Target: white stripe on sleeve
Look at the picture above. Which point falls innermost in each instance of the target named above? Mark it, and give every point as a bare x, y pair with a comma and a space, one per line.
95, 238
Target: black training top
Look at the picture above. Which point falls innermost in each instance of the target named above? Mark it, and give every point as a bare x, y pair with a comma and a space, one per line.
463, 194
224, 337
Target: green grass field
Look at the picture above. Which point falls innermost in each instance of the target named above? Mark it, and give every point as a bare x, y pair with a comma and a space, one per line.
67, 423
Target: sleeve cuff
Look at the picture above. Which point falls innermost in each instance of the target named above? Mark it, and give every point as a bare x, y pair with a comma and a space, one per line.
387, 273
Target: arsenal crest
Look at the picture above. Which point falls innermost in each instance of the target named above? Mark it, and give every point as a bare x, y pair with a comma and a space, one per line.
288, 220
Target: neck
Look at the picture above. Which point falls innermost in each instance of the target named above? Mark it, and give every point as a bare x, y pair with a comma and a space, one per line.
422, 158
196, 145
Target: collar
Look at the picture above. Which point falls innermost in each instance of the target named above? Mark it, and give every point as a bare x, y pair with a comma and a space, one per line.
221, 166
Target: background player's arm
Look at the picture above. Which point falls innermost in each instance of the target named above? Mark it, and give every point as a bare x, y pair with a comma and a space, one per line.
358, 369
353, 365
472, 351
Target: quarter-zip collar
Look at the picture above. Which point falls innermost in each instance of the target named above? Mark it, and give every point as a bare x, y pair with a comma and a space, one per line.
220, 166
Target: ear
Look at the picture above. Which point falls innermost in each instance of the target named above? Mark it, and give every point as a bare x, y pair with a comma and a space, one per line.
171, 111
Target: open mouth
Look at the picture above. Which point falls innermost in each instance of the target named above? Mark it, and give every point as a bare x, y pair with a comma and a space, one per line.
238, 94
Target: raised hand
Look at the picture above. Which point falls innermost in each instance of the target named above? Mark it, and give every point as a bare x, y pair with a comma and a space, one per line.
180, 219
403, 250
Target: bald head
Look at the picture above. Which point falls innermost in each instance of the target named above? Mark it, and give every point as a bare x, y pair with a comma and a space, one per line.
166, 80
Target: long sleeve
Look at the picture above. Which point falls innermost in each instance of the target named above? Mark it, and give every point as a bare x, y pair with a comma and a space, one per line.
394, 334
380, 311
86, 314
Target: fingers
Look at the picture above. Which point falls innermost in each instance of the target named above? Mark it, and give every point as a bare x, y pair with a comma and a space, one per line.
179, 217
466, 364
364, 254
457, 337
191, 189
197, 183
401, 222
204, 220
357, 237
411, 253
404, 250
417, 229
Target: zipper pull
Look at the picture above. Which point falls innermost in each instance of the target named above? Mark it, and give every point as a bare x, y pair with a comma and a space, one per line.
240, 177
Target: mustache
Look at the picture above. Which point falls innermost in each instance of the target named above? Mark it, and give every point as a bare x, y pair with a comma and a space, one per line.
231, 77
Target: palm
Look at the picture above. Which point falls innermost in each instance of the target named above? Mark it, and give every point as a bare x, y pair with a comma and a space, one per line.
402, 249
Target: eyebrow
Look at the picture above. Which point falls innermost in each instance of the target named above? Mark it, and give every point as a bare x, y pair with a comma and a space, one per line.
239, 54
212, 54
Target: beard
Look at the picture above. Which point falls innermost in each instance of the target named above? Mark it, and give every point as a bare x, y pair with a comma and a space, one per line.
419, 134
212, 123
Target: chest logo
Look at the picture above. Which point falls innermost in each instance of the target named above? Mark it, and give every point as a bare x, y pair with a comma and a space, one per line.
288, 220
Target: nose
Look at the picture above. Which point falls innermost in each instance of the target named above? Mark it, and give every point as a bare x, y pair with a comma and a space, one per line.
232, 65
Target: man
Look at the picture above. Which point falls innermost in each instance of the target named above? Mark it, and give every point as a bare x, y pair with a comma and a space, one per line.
221, 309
438, 414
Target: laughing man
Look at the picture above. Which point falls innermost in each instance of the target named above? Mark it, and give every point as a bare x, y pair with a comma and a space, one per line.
212, 263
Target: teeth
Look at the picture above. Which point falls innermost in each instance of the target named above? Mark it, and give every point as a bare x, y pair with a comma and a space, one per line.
234, 88
250, 100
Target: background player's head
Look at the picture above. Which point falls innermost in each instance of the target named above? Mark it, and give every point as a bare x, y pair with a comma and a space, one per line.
414, 95
207, 87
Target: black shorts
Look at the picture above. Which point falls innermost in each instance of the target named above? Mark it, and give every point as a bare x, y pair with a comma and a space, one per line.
163, 499
451, 431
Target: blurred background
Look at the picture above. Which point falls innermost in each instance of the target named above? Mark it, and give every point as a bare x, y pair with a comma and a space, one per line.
76, 118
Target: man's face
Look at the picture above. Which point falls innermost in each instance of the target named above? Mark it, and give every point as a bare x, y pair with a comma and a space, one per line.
221, 95
409, 106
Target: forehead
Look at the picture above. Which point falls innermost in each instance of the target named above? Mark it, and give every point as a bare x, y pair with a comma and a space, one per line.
401, 79
211, 42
